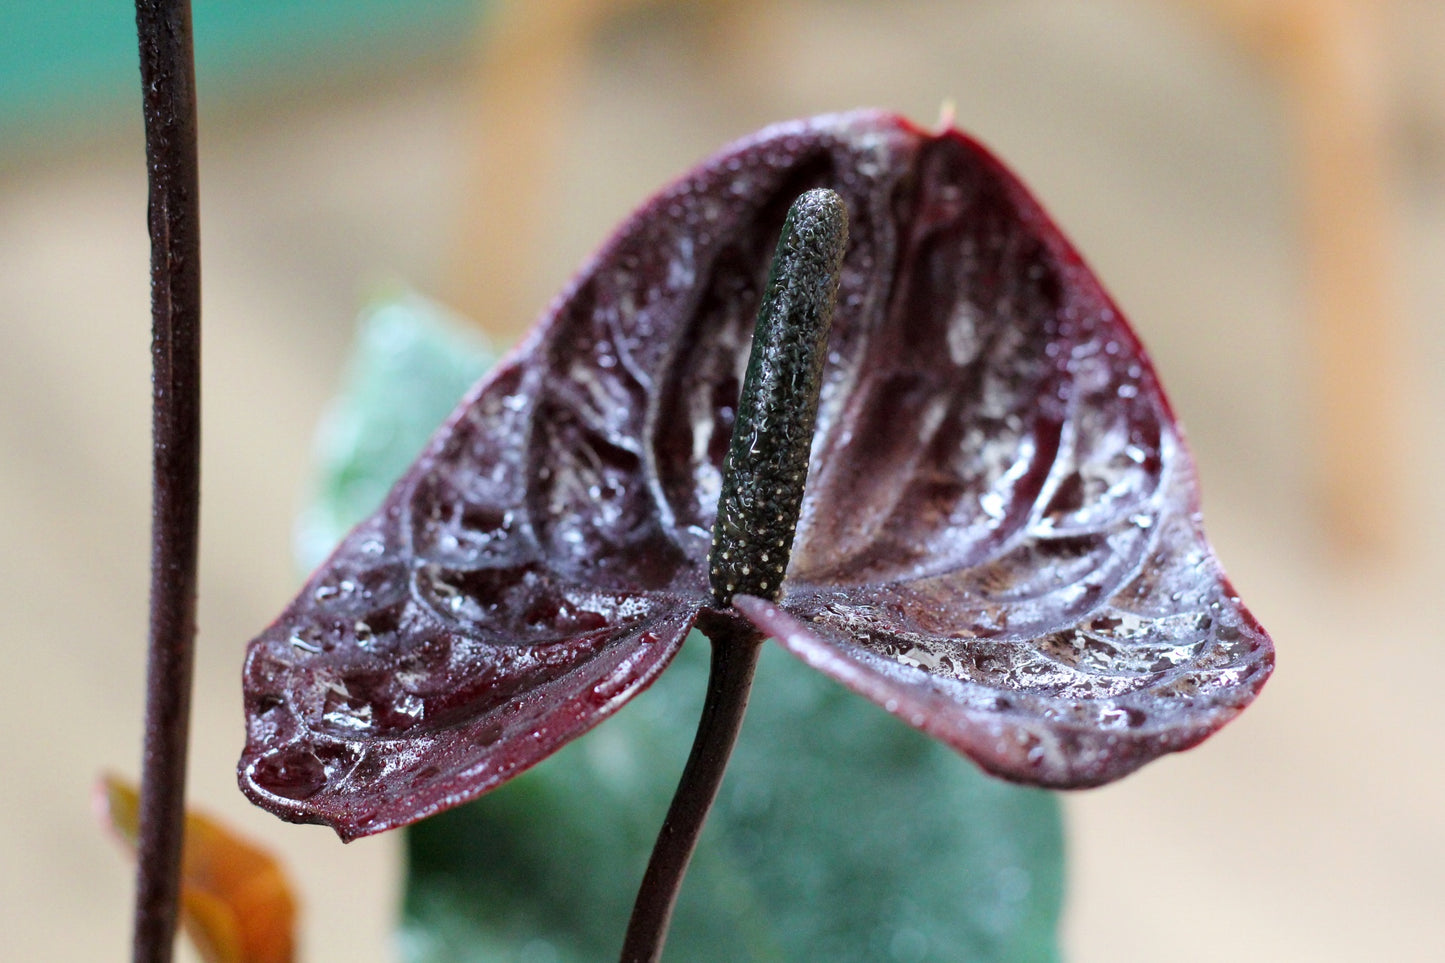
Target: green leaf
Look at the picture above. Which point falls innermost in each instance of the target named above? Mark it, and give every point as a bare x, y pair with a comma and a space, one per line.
839, 834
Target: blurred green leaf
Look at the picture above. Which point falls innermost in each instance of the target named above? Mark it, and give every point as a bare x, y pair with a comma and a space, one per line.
412, 361
839, 834
72, 63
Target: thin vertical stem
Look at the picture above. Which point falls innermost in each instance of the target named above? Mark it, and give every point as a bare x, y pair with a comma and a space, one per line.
734, 659
169, 87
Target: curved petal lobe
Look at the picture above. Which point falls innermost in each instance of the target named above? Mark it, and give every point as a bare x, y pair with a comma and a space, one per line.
1003, 545
369, 706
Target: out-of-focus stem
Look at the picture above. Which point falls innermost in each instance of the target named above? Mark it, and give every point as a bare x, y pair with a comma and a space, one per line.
169, 88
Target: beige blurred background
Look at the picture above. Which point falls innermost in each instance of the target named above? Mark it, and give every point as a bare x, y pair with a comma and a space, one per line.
1167, 138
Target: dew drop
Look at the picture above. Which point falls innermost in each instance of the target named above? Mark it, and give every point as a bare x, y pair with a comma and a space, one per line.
292, 773
303, 644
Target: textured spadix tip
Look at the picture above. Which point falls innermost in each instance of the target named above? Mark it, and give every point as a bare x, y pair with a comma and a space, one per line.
819, 219
767, 461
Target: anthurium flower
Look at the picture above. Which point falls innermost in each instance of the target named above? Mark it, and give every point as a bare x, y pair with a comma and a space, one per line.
999, 539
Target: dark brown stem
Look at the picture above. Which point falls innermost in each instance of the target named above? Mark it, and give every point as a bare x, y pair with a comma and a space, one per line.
735, 648
169, 87
762, 491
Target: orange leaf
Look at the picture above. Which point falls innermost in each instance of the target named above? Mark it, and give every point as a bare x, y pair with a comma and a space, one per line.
236, 903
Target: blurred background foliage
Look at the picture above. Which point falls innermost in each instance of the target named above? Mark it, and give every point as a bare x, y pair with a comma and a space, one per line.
71, 64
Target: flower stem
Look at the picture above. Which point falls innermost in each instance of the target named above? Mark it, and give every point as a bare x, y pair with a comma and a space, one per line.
762, 492
168, 83
735, 647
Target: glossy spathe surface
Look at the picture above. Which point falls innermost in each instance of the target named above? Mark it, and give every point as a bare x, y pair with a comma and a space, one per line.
999, 541
971, 867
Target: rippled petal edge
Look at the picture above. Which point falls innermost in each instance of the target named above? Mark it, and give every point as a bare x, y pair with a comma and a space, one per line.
359, 795
1013, 744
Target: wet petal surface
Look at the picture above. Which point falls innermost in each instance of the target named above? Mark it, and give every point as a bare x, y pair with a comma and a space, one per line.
999, 539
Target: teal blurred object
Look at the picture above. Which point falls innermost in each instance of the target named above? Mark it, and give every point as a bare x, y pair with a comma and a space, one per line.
69, 63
